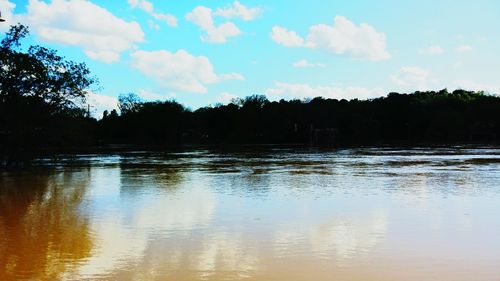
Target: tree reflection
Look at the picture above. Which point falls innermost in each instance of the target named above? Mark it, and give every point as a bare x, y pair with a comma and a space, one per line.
43, 234
151, 171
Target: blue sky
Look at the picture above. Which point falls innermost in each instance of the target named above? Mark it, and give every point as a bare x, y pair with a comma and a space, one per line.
204, 52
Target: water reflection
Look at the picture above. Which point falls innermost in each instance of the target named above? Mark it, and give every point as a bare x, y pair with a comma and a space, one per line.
44, 236
350, 237
341, 237
274, 215
157, 204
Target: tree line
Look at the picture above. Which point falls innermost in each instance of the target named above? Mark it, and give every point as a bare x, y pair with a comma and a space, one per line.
431, 117
42, 107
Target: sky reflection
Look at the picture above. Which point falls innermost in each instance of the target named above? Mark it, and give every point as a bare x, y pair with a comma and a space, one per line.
273, 216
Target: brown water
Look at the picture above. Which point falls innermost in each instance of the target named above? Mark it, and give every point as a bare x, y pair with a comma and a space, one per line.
276, 214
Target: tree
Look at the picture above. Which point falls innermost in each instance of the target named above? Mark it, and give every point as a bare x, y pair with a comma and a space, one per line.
129, 103
40, 74
40, 92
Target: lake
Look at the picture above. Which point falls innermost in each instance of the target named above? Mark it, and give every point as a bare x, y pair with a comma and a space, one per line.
255, 214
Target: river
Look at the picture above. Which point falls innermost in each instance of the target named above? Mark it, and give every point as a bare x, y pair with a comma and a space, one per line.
255, 214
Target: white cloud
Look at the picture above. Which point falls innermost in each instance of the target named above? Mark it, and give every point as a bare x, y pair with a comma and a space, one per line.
432, 50
169, 19
303, 63
343, 38
203, 17
148, 7
98, 103
238, 10
231, 76
226, 98
7, 9
299, 91
142, 4
153, 25
100, 34
179, 71
218, 34
464, 48
286, 37
412, 78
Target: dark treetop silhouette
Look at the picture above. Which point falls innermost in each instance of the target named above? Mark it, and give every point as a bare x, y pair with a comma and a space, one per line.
399, 119
42, 109
39, 96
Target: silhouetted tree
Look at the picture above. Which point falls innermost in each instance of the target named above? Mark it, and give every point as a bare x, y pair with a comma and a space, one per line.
129, 103
40, 94
398, 119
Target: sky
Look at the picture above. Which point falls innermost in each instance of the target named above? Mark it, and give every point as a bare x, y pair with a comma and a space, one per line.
207, 52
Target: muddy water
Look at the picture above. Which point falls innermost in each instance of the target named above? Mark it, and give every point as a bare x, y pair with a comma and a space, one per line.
271, 214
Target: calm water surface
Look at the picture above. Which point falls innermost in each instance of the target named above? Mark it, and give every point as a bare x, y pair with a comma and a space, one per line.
276, 214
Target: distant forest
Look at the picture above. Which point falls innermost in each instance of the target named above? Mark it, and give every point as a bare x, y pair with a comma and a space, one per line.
400, 119
42, 108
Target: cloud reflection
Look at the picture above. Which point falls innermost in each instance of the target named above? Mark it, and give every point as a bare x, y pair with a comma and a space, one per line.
342, 237
349, 236
124, 233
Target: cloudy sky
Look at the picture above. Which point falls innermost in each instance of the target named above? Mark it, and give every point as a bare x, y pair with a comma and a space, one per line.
204, 52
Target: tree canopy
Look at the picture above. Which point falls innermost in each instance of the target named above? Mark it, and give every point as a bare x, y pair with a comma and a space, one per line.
41, 96
39, 73
433, 117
